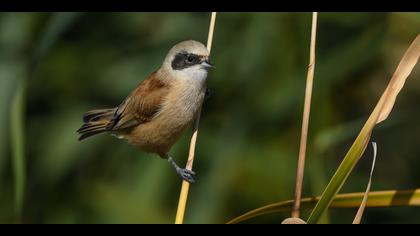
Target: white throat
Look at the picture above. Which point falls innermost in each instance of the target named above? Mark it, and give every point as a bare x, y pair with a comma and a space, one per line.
194, 75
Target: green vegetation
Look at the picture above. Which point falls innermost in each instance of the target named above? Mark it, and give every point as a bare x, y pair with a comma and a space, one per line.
55, 66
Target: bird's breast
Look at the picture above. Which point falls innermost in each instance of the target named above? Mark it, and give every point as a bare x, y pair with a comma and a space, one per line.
182, 103
176, 114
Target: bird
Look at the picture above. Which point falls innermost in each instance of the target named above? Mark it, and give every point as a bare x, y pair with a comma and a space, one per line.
156, 113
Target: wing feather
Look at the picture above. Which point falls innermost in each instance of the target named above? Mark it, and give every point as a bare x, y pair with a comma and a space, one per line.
142, 104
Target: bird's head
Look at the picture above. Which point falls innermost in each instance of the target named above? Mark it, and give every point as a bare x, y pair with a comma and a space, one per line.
188, 60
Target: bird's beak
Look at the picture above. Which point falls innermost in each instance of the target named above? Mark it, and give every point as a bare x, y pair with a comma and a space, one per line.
206, 64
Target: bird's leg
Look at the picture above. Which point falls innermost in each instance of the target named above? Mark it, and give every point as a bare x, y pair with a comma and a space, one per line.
186, 174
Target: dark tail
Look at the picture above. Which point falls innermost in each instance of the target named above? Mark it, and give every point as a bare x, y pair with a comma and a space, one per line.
96, 122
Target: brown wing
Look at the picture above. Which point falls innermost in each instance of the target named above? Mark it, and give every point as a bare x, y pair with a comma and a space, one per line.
142, 104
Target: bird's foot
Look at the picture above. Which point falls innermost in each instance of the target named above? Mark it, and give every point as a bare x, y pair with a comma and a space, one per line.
187, 175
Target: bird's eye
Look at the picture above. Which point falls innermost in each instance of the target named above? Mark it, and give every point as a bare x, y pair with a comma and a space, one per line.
190, 59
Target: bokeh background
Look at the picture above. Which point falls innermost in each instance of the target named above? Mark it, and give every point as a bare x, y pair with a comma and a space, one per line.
63, 64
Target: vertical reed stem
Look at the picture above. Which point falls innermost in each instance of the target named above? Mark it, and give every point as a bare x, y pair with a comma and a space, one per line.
185, 185
305, 121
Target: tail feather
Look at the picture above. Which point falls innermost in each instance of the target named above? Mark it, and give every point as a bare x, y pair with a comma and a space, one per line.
94, 115
96, 122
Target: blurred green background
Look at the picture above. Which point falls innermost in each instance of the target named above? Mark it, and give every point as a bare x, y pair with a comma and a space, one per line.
63, 64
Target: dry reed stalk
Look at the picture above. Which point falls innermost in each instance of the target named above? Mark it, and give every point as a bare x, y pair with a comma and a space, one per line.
185, 185
305, 121
359, 214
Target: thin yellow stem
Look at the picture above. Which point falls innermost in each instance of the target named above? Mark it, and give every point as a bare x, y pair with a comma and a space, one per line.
305, 121
185, 185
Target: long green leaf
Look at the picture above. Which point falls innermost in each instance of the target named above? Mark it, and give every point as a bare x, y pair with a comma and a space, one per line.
390, 198
18, 145
53, 30
380, 113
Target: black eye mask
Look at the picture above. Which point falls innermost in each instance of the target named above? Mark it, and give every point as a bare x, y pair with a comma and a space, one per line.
184, 60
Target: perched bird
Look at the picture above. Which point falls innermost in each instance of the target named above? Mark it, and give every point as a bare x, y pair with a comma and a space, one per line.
154, 116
